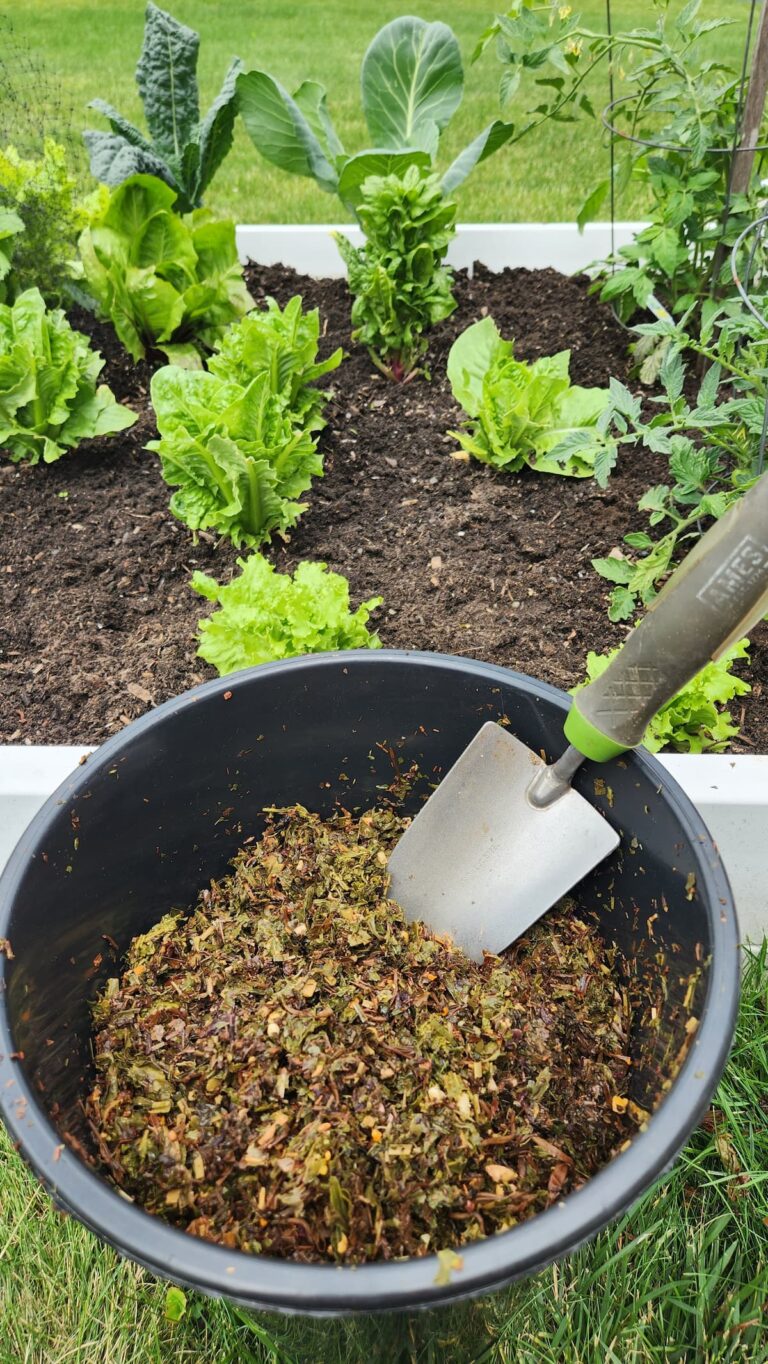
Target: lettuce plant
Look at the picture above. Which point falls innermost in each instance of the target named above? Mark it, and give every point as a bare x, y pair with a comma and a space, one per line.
524, 413
265, 615
232, 452
11, 227
182, 149
164, 281
400, 286
412, 82
43, 196
49, 397
282, 342
693, 721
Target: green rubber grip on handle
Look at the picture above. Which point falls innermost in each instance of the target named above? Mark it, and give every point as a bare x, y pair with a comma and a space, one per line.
719, 591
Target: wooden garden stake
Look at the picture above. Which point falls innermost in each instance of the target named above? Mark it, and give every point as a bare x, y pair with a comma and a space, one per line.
754, 104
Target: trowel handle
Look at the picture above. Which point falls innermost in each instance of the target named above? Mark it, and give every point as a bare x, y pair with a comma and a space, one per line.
719, 591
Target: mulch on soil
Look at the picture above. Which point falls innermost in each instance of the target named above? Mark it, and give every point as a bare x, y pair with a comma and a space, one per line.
97, 621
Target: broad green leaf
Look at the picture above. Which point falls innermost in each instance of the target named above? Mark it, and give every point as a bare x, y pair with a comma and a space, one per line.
412, 81
614, 570
312, 99
164, 240
484, 145
623, 401
592, 204
278, 129
215, 134
668, 250
167, 79
655, 499
470, 359
122, 126
134, 202
113, 160
157, 306
622, 604
181, 353
175, 1303
672, 375
360, 167
707, 395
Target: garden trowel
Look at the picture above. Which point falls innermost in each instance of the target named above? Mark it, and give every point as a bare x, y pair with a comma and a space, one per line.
504, 835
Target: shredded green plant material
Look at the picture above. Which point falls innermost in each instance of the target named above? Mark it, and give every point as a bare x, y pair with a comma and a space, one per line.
292, 1069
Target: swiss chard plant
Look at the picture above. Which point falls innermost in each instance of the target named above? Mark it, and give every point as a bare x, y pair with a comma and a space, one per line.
521, 413
283, 343
682, 102
265, 615
181, 148
400, 286
412, 82
233, 453
42, 196
164, 281
50, 397
695, 720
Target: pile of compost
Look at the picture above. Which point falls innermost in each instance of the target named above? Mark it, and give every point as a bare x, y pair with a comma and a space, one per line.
292, 1069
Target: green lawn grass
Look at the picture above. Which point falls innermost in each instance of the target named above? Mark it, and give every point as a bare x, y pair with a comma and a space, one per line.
681, 1279
90, 48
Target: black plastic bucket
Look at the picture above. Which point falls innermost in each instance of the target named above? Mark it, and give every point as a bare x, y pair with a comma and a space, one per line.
162, 807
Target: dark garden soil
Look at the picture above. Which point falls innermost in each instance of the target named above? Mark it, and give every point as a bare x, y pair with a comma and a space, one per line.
97, 622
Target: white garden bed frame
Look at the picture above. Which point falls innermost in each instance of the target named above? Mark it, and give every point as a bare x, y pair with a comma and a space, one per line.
730, 791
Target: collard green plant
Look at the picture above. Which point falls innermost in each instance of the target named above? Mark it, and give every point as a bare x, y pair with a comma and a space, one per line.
231, 450
283, 343
412, 82
265, 615
523, 413
50, 399
182, 149
677, 97
401, 287
164, 281
695, 720
42, 195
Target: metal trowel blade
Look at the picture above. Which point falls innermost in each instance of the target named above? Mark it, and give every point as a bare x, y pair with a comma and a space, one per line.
480, 862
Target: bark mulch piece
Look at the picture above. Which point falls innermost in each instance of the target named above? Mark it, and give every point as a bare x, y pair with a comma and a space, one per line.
97, 622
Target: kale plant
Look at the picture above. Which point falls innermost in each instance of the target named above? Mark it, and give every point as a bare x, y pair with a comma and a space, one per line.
400, 285
412, 82
182, 149
265, 615
50, 400
164, 281
521, 413
695, 719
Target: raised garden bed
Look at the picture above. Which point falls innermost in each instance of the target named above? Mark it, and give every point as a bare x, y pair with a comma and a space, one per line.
99, 622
